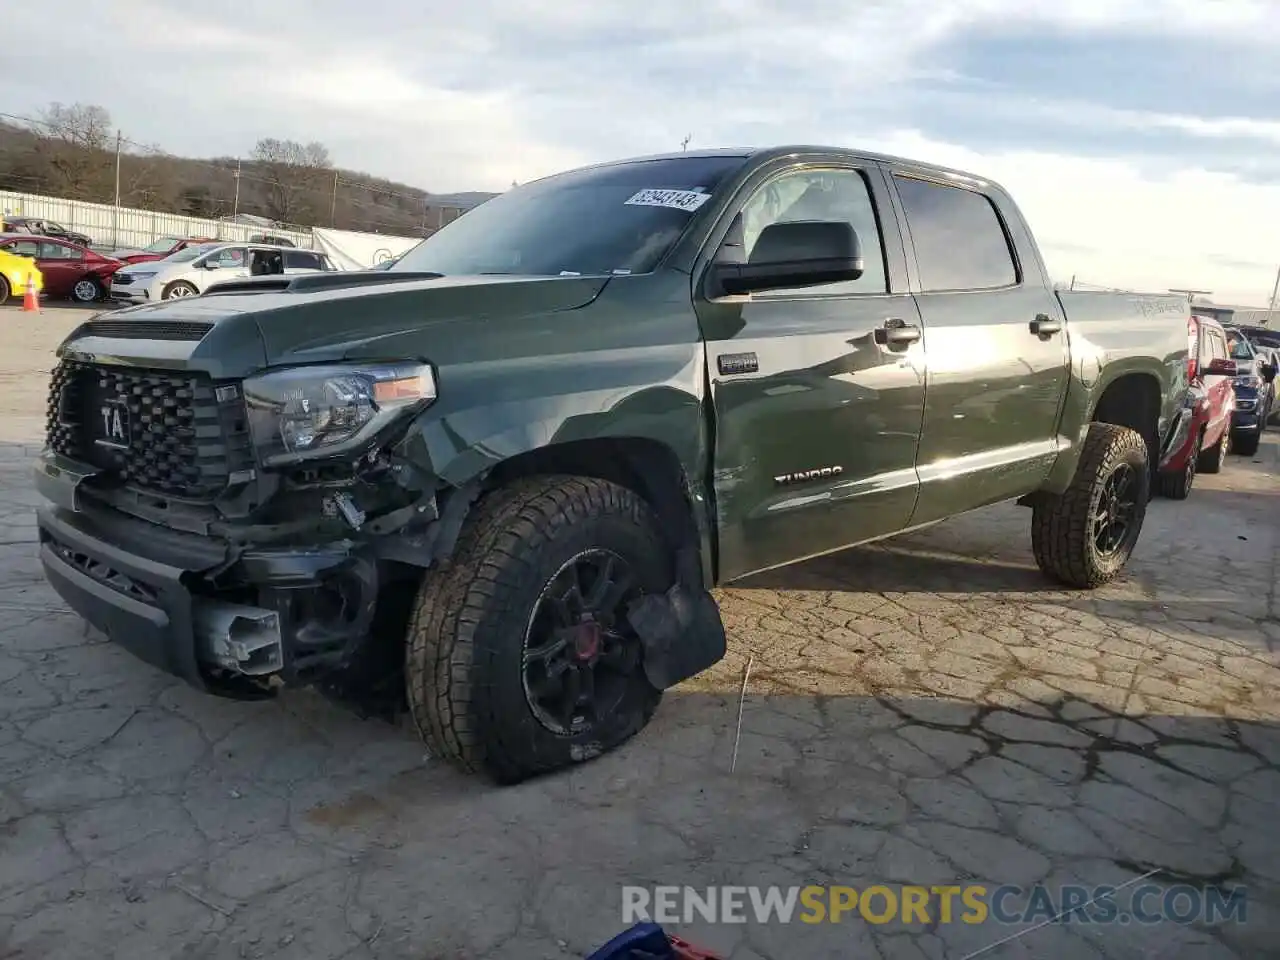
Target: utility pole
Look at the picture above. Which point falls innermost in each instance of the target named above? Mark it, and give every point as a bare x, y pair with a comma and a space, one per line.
115, 214
1275, 295
333, 204
235, 206
1073, 282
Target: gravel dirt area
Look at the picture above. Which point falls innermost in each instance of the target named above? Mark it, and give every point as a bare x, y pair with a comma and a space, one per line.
921, 711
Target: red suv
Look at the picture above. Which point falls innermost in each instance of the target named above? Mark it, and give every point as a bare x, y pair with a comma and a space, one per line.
1211, 398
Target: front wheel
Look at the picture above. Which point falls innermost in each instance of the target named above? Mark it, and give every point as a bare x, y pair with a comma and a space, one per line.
86, 290
1084, 536
519, 657
5, 292
1246, 444
178, 289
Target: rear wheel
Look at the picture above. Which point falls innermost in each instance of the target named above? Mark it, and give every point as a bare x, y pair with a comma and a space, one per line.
1177, 485
86, 290
1084, 536
519, 658
1211, 459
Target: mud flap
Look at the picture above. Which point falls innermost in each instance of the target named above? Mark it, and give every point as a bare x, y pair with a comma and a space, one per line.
680, 630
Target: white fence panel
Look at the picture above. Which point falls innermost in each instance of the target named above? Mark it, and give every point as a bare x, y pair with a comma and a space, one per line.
131, 227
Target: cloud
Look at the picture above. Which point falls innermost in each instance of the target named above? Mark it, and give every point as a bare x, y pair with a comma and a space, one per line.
472, 96
1107, 222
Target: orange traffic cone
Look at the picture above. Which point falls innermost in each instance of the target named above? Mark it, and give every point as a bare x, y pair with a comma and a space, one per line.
30, 302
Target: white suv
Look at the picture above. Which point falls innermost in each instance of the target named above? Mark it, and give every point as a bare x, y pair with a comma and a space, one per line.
191, 271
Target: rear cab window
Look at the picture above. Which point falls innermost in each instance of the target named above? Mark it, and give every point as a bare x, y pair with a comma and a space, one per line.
960, 241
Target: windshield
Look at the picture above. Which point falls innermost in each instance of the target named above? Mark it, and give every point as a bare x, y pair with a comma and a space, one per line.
619, 218
163, 245
191, 252
1240, 348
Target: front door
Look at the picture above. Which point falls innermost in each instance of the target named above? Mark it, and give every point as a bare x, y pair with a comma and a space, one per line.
997, 351
817, 421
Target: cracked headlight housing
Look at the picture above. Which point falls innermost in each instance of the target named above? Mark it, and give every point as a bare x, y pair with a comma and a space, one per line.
306, 413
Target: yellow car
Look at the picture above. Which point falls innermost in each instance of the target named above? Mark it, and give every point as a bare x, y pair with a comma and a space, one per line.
15, 273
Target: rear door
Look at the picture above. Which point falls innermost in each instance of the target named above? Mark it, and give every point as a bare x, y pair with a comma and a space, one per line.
62, 265
1220, 389
996, 346
816, 421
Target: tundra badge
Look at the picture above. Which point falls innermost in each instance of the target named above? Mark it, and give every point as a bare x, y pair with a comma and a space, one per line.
800, 476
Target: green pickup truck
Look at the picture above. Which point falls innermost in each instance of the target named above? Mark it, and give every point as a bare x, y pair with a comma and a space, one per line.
502, 476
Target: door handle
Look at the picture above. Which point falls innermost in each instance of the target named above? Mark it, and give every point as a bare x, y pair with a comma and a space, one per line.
1045, 326
897, 333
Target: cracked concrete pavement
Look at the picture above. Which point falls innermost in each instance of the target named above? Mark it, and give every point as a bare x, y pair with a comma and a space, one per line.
922, 711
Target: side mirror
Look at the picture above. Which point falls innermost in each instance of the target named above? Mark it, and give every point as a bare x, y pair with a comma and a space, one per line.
212, 265
803, 253
1220, 367
1269, 372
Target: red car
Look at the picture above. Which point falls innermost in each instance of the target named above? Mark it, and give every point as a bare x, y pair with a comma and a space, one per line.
69, 269
1211, 397
159, 249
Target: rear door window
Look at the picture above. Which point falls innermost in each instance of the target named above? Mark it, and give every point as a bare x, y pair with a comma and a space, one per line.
959, 238
1218, 346
302, 260
59, 251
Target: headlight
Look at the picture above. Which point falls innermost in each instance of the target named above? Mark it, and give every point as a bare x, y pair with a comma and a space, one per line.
141, 276
309, 412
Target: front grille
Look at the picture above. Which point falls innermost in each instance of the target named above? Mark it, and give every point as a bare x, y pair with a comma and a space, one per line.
175, 433
143, 329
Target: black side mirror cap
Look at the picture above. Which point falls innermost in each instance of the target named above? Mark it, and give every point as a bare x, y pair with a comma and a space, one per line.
801, 253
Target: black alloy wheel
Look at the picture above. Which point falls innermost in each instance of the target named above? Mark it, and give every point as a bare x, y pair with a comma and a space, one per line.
580, 654
1116, 510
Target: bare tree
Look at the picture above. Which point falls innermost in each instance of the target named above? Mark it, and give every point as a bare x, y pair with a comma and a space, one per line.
294, 173
74, 144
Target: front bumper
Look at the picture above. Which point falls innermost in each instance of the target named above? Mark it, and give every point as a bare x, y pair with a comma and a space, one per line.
133, 293
140, 603
1247, 415
226, 619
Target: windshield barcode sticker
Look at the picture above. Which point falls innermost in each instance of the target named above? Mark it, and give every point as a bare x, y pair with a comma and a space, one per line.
687, 200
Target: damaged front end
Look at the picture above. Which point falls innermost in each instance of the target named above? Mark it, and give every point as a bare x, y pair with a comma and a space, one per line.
237, 533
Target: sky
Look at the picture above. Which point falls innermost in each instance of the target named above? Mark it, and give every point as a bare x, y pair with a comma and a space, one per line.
1141, 138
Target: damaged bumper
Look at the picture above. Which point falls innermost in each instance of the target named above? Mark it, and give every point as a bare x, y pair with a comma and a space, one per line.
284, 613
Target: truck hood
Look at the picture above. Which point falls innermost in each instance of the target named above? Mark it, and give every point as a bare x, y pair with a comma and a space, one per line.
316, 318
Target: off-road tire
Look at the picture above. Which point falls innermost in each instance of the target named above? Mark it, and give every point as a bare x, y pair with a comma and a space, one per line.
1246, 444
465, 645
1061, 533
1211, 460
1177, 486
